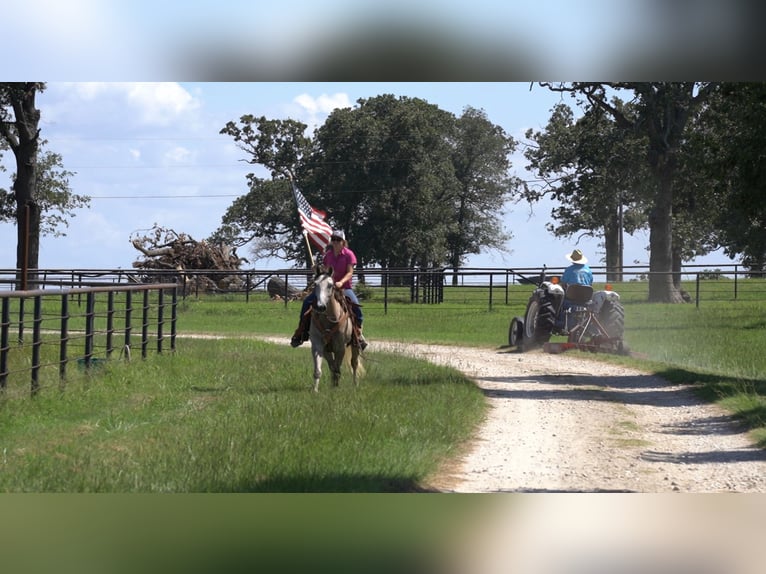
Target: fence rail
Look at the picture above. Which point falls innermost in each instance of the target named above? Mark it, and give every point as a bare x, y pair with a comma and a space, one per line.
102, 314
485, 287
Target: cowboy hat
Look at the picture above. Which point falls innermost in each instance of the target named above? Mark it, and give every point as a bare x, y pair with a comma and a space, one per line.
576, 257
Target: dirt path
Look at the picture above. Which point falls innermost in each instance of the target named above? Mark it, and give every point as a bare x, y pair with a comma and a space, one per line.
560, 423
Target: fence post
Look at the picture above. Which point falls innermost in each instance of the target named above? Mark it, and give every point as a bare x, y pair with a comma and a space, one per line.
491, 276
160, 318
145, 325
90, 305
64, 336
735, 282
36, 344
287, 289
385, 292
5, 324
109, 322
128, 317
697, 295
173, 317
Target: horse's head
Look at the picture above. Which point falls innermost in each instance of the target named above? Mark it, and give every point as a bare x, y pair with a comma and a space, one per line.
323, 289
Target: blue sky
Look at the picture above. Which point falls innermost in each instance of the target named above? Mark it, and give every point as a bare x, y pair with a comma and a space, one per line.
127, 139
151, 153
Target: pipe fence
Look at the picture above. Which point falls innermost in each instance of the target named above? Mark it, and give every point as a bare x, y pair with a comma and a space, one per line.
471, 287
47, 329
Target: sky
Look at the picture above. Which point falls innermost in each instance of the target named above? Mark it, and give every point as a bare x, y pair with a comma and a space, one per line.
151, 153
146, 147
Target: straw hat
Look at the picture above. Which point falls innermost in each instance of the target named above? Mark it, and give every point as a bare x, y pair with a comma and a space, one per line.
576, 257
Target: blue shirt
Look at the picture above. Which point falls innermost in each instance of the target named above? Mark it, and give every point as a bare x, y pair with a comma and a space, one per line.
578, 273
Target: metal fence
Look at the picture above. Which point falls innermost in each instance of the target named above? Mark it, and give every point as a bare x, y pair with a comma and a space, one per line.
51, 328
474, 287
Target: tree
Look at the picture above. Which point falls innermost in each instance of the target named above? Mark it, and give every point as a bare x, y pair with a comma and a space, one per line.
409, 183
54, 195
268, 210
593, 170
663, 110
19, 120
384, 169
265, 216
481, 163
733, 127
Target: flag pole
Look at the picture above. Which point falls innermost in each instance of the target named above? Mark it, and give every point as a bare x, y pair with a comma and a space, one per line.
305, 233
308, 246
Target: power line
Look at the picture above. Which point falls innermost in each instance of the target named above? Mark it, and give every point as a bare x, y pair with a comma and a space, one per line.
162, 196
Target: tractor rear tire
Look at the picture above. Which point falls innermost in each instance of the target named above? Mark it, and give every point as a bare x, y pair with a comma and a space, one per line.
538, 321
612, 318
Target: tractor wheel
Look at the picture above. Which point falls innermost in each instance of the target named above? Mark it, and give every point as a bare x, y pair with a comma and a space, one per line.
516, 332
612, 317
538, 321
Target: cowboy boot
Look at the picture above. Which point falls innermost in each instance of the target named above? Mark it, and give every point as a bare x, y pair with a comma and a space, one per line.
302, 332
361, 342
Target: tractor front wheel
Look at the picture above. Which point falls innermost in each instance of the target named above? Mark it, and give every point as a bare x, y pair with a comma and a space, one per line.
516, 332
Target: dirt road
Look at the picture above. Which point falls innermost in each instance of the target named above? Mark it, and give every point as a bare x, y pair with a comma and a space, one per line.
559, 423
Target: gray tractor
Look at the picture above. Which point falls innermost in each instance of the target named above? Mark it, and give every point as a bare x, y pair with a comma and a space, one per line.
591, 320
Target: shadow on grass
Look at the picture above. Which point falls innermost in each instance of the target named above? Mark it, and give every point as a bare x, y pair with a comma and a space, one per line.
329, 484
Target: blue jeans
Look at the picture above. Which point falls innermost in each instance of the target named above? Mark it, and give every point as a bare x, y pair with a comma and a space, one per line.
311, 298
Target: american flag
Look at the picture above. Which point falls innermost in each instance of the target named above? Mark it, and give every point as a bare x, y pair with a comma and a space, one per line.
312, 221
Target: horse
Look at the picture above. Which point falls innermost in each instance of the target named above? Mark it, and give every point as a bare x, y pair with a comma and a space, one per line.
331, 330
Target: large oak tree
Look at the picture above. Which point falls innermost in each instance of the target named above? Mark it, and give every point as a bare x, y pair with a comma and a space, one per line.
663, 111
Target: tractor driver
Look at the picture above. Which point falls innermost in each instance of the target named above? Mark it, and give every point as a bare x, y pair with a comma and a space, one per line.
578, 272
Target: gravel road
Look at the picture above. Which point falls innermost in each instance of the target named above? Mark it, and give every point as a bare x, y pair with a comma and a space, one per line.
562, 423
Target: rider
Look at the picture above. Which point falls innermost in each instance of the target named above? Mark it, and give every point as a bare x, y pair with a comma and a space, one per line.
342, 260
578, 272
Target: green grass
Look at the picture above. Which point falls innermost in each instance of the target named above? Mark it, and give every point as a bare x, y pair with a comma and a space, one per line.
236, 416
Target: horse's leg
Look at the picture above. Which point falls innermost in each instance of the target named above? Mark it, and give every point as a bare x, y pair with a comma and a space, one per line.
335, 366
355, 364
317, 354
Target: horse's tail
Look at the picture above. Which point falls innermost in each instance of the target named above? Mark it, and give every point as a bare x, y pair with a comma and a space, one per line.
347, 362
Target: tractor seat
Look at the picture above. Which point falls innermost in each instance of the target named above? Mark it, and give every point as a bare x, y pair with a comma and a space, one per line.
579, 294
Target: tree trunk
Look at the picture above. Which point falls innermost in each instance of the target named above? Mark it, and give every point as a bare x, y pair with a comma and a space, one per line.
24, 141
613, 248
661, 288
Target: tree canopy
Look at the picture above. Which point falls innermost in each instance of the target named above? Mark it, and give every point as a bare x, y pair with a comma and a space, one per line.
662, 114
40, 199
409, 183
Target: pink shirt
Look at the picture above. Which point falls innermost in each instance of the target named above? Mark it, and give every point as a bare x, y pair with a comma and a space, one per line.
339, 264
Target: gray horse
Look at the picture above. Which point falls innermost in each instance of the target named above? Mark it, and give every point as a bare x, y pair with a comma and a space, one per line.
331, 331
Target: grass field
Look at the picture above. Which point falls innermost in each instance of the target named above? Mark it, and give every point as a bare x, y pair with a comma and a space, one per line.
237, 415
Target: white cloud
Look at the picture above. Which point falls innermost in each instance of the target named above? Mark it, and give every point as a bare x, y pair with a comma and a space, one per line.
323, 104
160, 103
154, 103
314, 110
179, 154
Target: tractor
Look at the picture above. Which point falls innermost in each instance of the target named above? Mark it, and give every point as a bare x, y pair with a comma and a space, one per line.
591, 320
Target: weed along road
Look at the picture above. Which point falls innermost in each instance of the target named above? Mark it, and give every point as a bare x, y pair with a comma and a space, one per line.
568, 423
